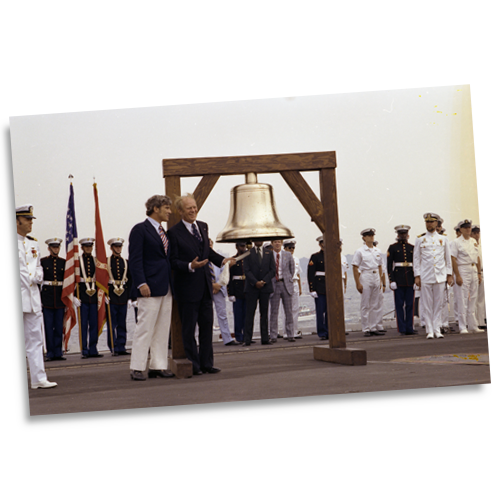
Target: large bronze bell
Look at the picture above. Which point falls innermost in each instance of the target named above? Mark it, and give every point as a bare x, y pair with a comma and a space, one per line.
253, 214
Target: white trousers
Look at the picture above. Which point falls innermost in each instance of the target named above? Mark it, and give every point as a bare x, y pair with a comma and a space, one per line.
33, 342
152, 333
445, 313
466, 299
221, 312
370, 298
431, 306
481, 305
295, 306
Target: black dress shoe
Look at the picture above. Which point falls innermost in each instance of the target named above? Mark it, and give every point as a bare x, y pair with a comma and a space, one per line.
273, 341
160, 374
232, 343
197, 372
247, 344
267, 342
323, 338
382, 331
367, 334
85, 356
59, 358
46, 360
137, 375
122, 353
291, 340
375, 332
212, 369
413, 332
96, 355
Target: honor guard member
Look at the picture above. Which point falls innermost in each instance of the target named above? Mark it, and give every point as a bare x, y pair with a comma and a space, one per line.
236, 292
121, 295
400, 271
466, 266
52, 305
481, 306
317, 288
88, 299
31, 275
432, 270
367, 272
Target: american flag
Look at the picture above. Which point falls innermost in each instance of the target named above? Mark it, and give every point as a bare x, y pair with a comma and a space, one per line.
72, 269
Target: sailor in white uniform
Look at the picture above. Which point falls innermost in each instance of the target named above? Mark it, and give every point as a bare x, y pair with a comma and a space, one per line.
481, 305
367, 272
289, 246
31, 272
432, 270
466, 266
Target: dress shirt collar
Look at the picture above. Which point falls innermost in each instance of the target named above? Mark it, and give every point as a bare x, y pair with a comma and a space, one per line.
189, 226
155, 223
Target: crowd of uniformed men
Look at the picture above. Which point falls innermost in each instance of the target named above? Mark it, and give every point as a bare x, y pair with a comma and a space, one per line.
425, 275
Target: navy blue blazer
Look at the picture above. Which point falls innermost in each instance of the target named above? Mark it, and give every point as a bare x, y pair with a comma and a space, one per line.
148, 262
263, 272
189, 286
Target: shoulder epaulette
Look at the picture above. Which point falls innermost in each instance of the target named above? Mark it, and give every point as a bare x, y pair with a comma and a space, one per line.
420, 235
31, 238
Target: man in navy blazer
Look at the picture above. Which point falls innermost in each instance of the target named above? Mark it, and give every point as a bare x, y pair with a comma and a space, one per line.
260, 268
149, 261
192, 283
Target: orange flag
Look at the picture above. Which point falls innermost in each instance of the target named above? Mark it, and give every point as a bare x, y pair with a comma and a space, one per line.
101, 267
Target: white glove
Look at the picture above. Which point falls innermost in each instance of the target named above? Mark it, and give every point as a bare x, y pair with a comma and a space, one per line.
394, 285
129, 303
106, 299
232, 298
76, 302
415, 287
134, 303
314, 295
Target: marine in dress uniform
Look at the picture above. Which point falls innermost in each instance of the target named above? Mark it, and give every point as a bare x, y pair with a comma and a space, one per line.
466, 266
367, 272
31, 275
317, 288
236, 293
400, 271
121, 295
432, 270
52, 305
88, 301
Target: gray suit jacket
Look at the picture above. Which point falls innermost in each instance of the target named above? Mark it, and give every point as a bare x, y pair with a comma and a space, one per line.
287, 265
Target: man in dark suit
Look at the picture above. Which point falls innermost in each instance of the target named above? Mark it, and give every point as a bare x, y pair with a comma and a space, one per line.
149, 252
259, 269
192, 283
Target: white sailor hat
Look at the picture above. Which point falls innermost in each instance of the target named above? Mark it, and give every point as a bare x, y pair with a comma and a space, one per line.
402, 228
457, 228
464, 223
53, 241
440, 220
319, 239
25, 211
289, 243
476, 227
431, 217
367, 231
87, 241
375, 243
116, 241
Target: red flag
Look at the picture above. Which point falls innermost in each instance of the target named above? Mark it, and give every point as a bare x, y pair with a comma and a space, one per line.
71, 270
101, 267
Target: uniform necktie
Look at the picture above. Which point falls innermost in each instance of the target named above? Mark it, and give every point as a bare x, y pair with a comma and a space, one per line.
259, 255
163, 237
277, 267
196, 233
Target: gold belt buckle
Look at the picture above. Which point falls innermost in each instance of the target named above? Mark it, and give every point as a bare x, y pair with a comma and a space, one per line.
90, 292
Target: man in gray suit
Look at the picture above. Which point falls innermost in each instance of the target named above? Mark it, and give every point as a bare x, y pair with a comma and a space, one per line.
283, 290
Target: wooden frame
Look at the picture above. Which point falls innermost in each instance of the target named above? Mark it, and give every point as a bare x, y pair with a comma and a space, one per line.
323, 213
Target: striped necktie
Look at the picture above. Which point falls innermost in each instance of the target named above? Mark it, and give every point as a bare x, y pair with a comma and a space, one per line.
196, 233
277, 267
163, 237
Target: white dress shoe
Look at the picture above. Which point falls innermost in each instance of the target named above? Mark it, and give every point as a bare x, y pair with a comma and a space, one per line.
44, 385
464, 330
430, 336
439, 335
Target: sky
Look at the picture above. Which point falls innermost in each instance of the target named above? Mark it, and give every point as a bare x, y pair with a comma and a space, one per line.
389, 144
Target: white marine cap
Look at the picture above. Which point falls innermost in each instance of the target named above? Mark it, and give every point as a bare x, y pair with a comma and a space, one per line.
25, 211
116, 241
53, 241
464, 222
367, 230
402, 228
87, 241
289, 243
319, 238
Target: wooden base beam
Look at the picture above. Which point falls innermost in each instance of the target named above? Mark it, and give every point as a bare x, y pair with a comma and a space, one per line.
181, 368
340, 355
